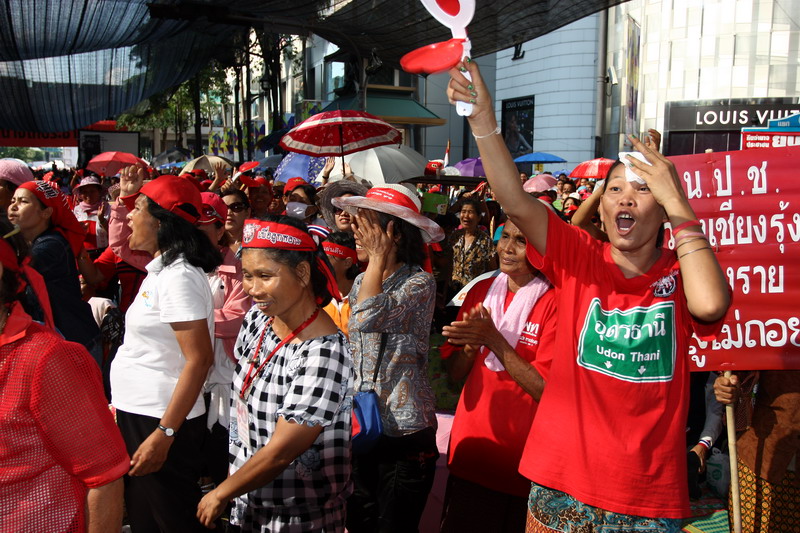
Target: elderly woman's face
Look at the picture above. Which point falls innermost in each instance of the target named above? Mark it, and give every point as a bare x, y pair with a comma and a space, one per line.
89, 194
144, 227
511, 251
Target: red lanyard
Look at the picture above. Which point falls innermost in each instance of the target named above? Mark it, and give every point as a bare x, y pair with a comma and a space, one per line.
251, 376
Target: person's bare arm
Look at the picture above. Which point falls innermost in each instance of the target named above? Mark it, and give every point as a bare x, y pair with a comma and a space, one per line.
587, 210
378, 244
104, 507
527, 213
286, 444
195, 343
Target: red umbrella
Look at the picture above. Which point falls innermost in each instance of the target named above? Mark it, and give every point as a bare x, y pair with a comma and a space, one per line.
338, 133
110, 163
595, 169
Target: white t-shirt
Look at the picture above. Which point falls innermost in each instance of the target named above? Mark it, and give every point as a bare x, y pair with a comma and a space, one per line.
147, 366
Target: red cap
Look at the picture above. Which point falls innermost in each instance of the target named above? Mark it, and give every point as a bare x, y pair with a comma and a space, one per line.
258, 181
172, 193
214, 209
200, 174
292, 184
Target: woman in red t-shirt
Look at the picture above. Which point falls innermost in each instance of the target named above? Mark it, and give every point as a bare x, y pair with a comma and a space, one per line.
607, 445
504, 328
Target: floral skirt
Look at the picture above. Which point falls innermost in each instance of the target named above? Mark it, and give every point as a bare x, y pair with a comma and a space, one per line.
553, 511
768, 507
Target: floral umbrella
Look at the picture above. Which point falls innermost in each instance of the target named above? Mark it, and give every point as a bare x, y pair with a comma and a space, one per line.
340, 132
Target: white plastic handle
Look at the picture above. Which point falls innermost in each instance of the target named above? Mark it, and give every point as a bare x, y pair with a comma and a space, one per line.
464, 109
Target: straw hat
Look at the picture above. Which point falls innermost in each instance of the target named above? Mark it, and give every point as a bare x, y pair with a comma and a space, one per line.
396, 200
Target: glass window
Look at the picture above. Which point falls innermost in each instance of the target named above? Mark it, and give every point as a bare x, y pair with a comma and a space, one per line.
334, 78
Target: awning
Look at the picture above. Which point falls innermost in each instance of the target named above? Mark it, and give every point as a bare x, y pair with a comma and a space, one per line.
394, 109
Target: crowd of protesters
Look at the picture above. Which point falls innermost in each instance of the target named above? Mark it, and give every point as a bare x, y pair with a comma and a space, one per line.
194, 341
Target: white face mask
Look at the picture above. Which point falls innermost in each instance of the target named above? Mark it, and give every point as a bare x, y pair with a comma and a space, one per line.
297, 209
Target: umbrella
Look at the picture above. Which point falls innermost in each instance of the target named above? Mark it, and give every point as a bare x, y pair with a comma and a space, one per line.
171, 155
593, 169
270, 162
538, 183
272, 140
387, 164
110, 163
339, 132
472, 166
459, 298
207, 163
539, 157
294, 165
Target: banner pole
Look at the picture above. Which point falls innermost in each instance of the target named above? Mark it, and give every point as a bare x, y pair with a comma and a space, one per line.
736, 504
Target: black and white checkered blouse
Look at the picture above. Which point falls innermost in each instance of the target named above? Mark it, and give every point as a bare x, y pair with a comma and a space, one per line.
308, 383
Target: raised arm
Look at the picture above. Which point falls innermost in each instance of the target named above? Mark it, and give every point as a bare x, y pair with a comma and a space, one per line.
706, 289
588, 209
527, 213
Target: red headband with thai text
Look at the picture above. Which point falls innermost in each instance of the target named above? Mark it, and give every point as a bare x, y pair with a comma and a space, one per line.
331, 248
263, 234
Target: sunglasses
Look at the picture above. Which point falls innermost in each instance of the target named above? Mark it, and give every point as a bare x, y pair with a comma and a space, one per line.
238, 207
210, 212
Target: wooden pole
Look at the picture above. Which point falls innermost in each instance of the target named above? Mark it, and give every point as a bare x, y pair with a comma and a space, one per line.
735, 494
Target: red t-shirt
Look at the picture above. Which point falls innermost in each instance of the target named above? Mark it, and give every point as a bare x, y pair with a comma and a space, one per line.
610, 429
494, 414
130, 278
57, 435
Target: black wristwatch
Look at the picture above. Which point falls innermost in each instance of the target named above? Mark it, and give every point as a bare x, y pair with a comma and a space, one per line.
169, 432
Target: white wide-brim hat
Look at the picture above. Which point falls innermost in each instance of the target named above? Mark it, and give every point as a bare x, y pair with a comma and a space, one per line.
396, 200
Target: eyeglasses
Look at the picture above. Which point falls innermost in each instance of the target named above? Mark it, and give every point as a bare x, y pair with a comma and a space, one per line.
238, 207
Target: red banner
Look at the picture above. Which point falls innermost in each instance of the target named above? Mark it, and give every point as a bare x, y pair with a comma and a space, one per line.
749, 205
66, 138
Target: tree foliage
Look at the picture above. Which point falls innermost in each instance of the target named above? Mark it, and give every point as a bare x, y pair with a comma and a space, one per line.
21, 152
173, 108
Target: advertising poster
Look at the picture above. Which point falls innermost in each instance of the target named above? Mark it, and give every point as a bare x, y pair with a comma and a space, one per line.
517, 125
748, 203
632, 77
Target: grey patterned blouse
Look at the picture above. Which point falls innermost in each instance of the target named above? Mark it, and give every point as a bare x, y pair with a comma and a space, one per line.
404, 310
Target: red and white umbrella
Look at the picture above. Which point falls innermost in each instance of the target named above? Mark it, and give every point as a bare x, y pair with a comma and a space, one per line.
595, 169
110, 163
339, 132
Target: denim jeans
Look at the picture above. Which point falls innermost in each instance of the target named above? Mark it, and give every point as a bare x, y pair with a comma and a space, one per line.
392, 483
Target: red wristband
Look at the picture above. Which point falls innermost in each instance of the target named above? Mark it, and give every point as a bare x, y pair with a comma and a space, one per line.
687, 224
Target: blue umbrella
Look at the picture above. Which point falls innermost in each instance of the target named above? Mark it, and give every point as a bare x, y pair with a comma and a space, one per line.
295, 164
539, 157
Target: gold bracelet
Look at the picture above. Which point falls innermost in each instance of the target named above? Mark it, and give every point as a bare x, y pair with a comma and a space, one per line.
688, 241
693, 251
496, 131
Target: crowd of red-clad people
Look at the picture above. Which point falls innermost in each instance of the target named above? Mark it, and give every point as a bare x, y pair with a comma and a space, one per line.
227, 320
